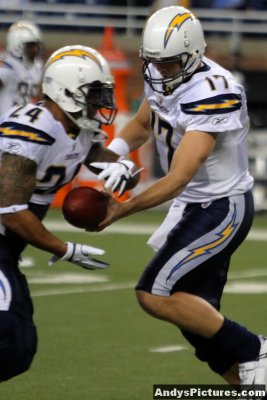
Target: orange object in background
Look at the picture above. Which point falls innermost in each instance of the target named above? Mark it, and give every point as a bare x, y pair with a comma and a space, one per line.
121, 71
119, 67
61, 194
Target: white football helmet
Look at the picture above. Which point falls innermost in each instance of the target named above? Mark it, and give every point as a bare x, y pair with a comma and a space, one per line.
78, 79
19, 34
172, 34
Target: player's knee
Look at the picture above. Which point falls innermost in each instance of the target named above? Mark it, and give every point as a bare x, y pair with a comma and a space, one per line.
153, 305
146, 301
141, 298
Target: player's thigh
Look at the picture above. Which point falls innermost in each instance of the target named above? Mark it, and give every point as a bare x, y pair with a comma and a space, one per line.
201, 243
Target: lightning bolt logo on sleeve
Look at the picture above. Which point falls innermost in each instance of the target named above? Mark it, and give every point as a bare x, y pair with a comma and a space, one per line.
26, 133
221, 238
221, 104
176, 23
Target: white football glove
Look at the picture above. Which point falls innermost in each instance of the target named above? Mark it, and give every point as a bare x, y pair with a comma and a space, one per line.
81, 254
117, 174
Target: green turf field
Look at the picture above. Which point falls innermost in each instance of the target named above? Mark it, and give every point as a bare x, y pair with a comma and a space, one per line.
95, 343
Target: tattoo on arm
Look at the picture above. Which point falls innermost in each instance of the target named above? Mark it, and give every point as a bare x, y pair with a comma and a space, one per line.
17, 179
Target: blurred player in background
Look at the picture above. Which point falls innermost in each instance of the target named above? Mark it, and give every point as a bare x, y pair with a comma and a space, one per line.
42, 147
198, 114
21, 66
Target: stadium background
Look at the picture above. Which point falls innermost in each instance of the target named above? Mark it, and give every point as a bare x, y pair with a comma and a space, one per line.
94, 341
237, 39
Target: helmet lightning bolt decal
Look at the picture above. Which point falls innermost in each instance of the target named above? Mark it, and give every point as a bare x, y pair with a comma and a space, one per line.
208, 247
176, 22
74, 53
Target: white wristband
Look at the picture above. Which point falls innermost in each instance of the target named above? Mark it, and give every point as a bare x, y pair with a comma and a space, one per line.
70, 251
119, 146
13, 209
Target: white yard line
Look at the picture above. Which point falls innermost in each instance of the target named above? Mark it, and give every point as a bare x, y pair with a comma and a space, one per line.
135, 229
130, 229
231, 287
95, 283
101, 288
257, 234
251, 287
168, 349
252, 273
66, 278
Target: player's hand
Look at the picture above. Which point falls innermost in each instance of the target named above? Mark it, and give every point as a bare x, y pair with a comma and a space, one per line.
116, 210
82, 255
117, 174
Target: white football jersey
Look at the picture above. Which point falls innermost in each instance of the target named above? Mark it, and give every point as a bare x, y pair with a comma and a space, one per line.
34, 133
210, 101
20, 83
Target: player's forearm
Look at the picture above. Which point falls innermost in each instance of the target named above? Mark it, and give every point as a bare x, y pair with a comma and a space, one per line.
27, 225
135, 134
100, 154
161, 191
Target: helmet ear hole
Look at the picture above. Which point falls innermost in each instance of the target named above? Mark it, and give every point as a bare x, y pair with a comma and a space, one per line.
68, 93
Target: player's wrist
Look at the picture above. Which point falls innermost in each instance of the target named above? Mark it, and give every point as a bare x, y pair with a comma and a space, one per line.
129, 165
63, 250
70, 249
128, 207
119, 146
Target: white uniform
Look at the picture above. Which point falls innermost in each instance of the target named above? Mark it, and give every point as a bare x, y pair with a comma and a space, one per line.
210, 101
34, 133
20, 83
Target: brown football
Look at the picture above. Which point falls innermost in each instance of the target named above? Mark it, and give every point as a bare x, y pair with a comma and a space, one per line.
84, 207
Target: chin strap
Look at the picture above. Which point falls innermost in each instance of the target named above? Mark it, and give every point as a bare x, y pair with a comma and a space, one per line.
89, 125
100, 136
